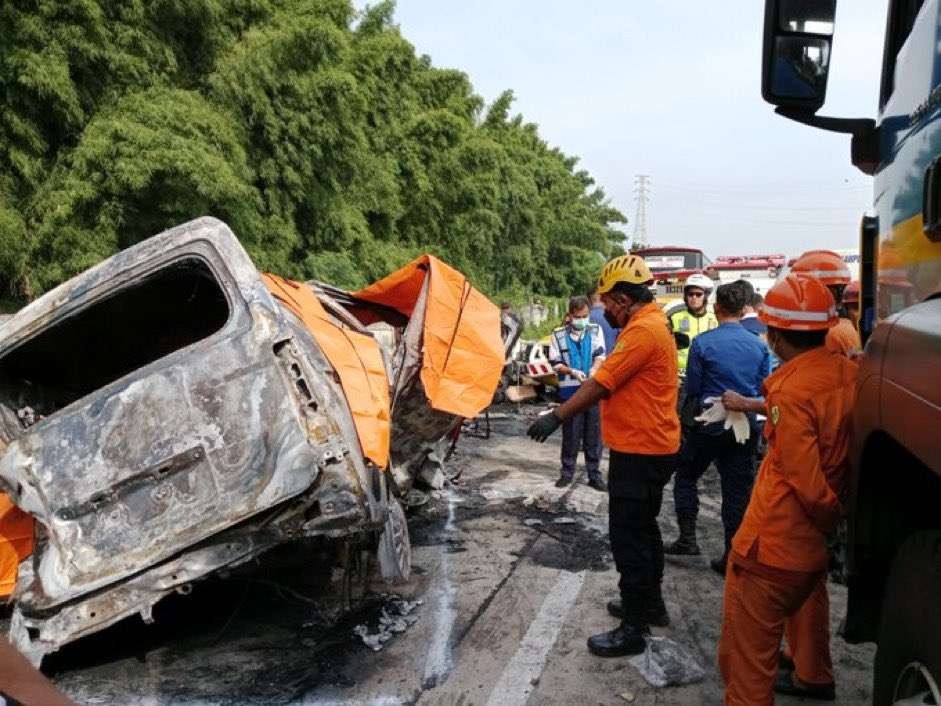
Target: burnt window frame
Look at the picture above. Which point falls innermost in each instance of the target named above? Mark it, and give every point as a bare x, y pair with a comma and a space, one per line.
200, 250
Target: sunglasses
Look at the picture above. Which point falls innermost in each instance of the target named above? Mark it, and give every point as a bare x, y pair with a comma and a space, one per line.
695, 294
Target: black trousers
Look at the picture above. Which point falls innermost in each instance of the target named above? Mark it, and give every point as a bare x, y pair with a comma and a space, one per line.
736, 465
582, 432
636, 492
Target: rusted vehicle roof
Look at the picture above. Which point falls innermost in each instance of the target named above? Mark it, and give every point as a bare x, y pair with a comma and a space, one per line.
165, 416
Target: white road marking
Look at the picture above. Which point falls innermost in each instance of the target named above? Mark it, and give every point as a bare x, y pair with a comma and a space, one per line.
516, 682
438, 661
378, 701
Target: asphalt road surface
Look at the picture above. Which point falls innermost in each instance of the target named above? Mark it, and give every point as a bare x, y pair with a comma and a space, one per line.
512, 576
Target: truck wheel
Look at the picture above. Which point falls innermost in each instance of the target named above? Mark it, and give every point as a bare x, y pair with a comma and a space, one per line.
395, 549
908, 660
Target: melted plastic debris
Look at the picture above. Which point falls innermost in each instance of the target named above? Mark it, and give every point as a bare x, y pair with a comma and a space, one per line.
396, 616
541, 501
27, 416
667, 663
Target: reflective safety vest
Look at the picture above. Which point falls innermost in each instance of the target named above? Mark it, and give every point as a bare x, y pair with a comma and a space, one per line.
692, 325
567, 383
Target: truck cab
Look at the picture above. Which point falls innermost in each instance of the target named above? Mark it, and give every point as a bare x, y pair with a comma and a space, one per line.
671, 265
894, 526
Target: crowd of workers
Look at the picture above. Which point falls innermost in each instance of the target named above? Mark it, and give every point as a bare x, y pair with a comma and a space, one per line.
775, 372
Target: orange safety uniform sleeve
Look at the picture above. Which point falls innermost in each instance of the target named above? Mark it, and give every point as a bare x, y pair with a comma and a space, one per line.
843, 338
16, 542
807, 633
796, 438
754, 613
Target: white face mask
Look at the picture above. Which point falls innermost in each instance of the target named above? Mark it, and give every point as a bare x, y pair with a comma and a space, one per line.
580, 324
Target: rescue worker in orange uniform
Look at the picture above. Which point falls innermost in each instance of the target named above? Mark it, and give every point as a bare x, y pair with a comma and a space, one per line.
776, 585
828, 267
851, 302
639, 424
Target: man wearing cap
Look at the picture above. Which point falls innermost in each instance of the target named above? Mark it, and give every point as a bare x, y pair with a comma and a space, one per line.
637, 383
776, 582
828, 267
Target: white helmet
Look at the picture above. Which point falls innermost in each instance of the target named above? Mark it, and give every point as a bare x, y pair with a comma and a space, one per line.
698, 280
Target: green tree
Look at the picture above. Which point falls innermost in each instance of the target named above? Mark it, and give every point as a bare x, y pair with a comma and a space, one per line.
332, 149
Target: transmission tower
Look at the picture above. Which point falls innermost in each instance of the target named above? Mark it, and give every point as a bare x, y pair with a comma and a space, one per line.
641, 184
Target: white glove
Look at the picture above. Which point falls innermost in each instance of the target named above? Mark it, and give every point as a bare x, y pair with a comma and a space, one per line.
579, 375
736, 421
740, 426
715, 413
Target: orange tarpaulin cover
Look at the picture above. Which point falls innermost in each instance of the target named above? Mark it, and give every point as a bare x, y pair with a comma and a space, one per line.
463, 350
356, 358
16, 542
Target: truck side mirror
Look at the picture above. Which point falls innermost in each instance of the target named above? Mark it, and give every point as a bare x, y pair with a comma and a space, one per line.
796, 53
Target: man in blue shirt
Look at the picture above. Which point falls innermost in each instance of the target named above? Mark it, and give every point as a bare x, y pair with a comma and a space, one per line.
597, 317
726, 358
750, 319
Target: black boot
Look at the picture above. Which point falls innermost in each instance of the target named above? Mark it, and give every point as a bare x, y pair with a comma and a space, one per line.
656, 612
624, 640
685, 545
629, 638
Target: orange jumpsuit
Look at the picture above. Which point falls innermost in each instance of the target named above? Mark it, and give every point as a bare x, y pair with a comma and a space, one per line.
844, 338
811, 624
16, 542
777, 573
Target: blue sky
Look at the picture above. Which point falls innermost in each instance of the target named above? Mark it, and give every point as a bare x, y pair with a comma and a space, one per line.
672, 89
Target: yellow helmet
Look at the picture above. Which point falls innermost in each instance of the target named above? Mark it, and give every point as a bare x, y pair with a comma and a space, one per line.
630, 269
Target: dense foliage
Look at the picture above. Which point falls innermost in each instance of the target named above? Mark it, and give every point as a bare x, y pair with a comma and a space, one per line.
330, 147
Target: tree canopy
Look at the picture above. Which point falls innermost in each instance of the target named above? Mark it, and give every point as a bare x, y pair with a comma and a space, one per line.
333, 150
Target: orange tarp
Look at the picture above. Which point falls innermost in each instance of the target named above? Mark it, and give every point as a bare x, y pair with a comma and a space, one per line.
16, 542
463, 350
357, 360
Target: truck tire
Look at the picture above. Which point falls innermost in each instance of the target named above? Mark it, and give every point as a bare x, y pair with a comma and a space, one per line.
908, 660
395, 548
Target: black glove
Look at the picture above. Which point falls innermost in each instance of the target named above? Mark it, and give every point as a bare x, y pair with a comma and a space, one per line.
542, 428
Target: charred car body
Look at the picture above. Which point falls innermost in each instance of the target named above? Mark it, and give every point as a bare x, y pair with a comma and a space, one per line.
170, 413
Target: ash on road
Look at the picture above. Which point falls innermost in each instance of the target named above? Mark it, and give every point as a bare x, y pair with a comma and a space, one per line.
512, 574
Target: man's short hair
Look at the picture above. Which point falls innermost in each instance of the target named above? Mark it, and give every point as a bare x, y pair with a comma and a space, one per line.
802, 339
506, 305
731, 297
638, 292
757, 300
748, 287
578, 302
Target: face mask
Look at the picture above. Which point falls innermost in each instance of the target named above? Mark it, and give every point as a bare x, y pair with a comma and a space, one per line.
580, 324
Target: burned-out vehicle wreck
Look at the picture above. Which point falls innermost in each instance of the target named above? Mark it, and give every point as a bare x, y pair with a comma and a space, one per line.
172, 412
